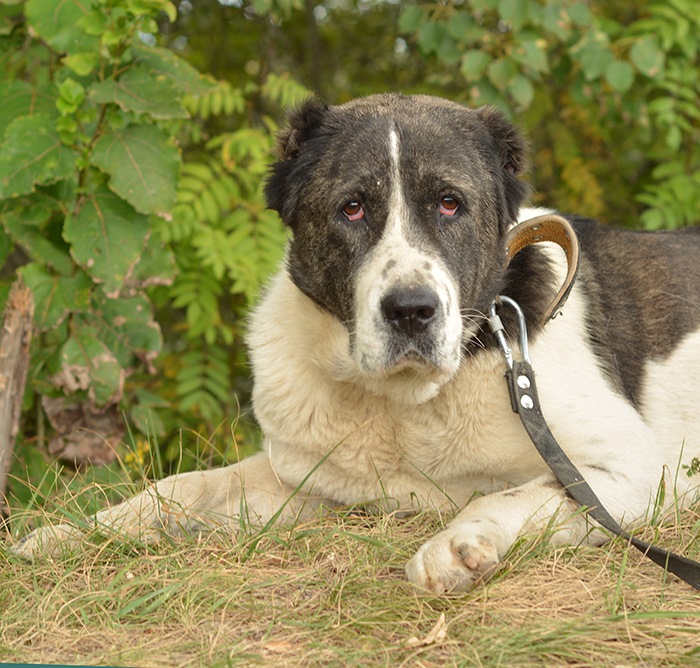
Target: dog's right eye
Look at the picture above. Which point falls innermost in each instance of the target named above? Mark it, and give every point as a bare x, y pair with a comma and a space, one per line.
353, 211
448, 205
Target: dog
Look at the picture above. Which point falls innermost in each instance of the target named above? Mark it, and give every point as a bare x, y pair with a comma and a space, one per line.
377, 380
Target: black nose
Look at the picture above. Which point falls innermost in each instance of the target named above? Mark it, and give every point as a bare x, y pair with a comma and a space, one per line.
410, 310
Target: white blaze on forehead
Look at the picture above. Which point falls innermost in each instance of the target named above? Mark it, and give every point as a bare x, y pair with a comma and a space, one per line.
398, 212
394, 148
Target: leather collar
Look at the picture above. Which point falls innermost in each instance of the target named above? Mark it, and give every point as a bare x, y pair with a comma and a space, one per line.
554, 228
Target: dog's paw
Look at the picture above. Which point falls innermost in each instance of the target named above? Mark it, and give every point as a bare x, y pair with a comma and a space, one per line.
453, 561
48, 542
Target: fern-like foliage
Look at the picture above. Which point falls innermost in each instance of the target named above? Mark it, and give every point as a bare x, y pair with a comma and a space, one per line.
198, 291
223, 98
203, 382
673, 195
284, 91
226, 245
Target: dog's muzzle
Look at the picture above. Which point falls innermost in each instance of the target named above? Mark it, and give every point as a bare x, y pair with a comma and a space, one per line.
412, 329
407, 317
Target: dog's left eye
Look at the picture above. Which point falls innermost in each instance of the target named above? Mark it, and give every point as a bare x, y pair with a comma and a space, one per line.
448, 205
353, 211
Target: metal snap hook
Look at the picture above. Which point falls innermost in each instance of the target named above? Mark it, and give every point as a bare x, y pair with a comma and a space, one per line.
496, 325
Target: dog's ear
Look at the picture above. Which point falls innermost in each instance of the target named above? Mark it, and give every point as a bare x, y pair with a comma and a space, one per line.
512, 146
302, 123
512, 150
281, 187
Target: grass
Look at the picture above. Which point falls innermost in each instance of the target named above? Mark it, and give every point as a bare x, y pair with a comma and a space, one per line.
332, 592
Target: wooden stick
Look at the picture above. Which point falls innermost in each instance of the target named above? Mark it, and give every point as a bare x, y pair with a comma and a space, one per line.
15, 337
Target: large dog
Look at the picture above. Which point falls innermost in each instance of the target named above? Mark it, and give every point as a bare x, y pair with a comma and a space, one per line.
377, 380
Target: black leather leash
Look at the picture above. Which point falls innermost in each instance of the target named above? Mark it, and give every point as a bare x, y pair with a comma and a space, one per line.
520, 378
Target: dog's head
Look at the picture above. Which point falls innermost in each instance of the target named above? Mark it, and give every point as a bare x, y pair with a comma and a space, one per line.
398, 207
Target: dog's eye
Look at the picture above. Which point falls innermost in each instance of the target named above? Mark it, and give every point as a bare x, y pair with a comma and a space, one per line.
353, 211
448, 205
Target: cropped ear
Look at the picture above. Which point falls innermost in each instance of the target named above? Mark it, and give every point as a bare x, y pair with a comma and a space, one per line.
281, 189
512, 146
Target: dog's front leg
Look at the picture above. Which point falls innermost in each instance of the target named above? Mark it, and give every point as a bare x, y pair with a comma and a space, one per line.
470, 549
249, 493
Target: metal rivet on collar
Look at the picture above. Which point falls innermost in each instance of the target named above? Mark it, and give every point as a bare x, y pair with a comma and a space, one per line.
526, 401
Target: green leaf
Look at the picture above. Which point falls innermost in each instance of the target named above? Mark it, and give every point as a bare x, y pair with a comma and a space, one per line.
522, 91
484, 92
143, 166
147, 420
81, 63
580, 14
55, 296
150, 8
411, 19
142, 91
474, 64
215, 249
460, 25
126, 326
58, 24
32, 154
179, 72
429, 36
532, 54
26, 220
448, 52
281, 89
87, 364
646, 56
71, 96
22, 99
106, 237
256, 250
513, 12
674, 138
150, 399
595, 58
501, 72
6, 246
620, 76
554, 20
93, 22
663, 106
652, 219
156, 266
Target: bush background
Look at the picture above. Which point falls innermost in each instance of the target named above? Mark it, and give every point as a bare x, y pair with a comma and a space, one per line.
134, 140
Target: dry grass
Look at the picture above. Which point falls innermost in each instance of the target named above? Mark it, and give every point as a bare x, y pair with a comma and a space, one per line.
332, 593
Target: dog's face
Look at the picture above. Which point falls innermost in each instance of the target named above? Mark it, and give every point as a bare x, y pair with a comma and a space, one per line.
398, 207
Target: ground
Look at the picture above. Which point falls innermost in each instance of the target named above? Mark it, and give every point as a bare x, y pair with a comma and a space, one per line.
332, 593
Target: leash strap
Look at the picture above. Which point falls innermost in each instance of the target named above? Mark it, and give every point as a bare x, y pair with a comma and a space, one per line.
520, 378
530, 414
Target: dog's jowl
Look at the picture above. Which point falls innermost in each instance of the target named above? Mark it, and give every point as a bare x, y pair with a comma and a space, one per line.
378, 381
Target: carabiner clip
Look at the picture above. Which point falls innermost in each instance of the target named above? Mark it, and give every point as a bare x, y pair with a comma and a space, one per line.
520, 376
498, 330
